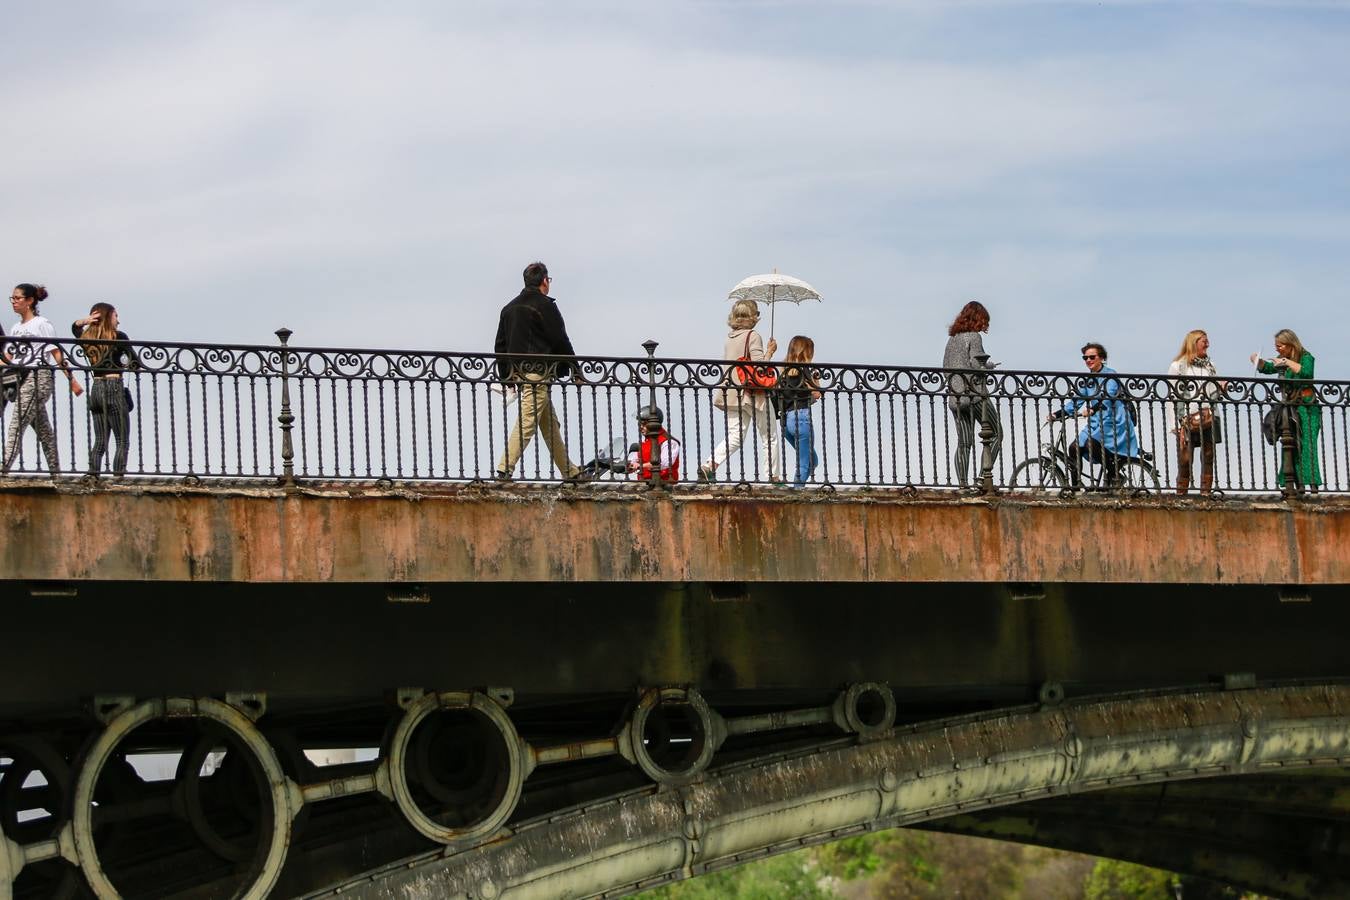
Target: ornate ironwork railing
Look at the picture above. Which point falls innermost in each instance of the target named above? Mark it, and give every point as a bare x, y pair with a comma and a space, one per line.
323, 414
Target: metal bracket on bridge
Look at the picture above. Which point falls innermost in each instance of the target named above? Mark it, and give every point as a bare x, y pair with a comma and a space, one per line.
504, 696
251, 703
1051, 694
1026, 591
1239, 681
405, 697
107, 707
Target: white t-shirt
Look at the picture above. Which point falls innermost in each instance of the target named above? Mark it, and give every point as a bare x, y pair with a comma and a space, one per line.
27, 354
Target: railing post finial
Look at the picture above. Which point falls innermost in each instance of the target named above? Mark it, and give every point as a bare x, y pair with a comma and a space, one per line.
651, 426
1290, 484
285, 419
987, 450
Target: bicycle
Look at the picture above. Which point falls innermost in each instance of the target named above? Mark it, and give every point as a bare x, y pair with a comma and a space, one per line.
1050, 470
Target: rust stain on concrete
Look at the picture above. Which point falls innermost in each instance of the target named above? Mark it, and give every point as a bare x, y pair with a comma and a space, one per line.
318, 535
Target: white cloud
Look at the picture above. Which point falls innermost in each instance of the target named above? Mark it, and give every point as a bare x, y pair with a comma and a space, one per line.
381, 177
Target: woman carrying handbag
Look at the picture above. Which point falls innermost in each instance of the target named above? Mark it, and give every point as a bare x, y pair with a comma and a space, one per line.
1195, 418
744, 400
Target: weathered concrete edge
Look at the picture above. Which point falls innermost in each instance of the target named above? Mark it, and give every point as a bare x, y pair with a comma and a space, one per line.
272, 536
636, 840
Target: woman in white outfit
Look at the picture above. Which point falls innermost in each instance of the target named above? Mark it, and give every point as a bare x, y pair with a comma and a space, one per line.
36, 361
1194, 415
744, 407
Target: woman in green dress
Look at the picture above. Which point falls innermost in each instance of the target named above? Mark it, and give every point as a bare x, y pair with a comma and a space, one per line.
1294, 362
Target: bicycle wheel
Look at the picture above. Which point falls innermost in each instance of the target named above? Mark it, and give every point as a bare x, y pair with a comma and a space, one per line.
1138, 477
1036, 474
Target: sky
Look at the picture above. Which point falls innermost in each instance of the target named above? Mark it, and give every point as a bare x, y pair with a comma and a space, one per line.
377, 175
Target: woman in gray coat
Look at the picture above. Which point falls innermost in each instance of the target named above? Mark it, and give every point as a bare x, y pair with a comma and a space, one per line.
968, 399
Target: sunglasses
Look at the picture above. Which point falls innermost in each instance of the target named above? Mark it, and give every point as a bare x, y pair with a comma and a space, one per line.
1090, 358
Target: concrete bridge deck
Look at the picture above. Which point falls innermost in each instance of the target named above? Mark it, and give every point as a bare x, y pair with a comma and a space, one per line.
353, 533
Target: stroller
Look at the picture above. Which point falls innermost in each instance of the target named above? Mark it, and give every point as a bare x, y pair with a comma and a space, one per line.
612, 461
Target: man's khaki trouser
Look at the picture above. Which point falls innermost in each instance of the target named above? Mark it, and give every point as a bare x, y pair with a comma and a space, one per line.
536, 411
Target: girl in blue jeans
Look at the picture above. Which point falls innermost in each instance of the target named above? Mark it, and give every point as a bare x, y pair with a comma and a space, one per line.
797, 390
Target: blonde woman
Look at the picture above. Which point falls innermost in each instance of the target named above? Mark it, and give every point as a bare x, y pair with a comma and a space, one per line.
110, 355
743, 406
1293, 361
1195, 420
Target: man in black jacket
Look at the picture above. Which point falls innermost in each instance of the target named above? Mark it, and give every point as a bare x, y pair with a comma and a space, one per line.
531, 323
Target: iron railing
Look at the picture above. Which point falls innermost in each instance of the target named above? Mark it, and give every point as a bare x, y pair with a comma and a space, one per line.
294, 414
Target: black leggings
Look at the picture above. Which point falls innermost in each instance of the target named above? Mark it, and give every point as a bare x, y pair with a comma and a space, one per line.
108, 409
984, 412
1094, 450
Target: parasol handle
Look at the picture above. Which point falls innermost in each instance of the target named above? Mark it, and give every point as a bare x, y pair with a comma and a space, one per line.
772, 306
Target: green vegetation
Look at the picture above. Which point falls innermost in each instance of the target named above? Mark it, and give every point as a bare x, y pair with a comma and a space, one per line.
792, 875
905, 864
1112, 879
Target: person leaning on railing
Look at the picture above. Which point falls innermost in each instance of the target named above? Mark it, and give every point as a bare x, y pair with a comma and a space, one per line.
38, 384
1293, 361
109, 354
968, 399
1194, 418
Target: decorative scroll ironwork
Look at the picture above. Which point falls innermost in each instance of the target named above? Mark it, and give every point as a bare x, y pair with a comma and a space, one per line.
321, 414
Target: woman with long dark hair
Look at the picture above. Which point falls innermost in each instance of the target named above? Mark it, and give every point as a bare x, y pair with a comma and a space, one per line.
797, 390
968, 399
110, 355
32, 359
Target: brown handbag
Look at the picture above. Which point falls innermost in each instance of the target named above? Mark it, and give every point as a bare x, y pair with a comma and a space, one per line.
1201, 421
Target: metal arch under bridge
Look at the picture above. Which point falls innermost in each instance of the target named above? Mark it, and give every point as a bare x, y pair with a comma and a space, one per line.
767, 653
1267, 807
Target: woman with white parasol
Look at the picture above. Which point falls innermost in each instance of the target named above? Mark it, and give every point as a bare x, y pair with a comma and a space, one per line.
742, 405
745, 406
772, 289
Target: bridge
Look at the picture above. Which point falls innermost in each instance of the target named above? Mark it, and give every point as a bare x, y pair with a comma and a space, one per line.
284, 657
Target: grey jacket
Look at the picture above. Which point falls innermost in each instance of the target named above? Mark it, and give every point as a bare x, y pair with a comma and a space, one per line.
966, 351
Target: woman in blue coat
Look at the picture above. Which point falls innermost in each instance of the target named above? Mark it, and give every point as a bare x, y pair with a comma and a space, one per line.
1109, 435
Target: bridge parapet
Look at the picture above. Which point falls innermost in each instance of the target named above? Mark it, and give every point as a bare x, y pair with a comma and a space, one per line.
348, 534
